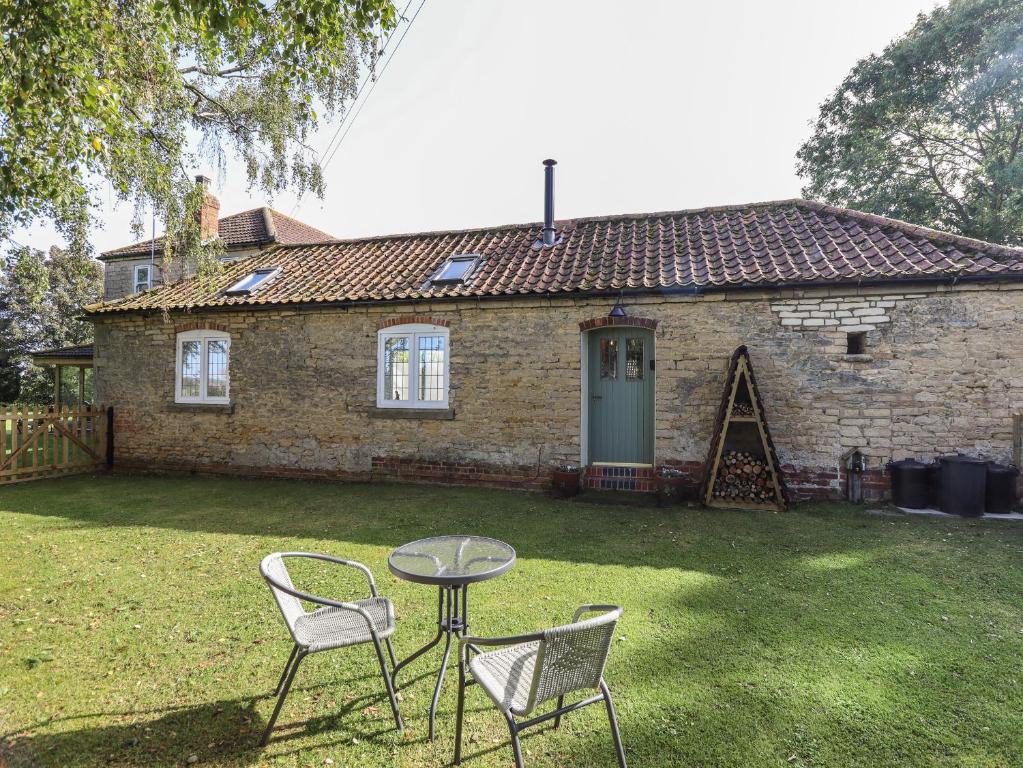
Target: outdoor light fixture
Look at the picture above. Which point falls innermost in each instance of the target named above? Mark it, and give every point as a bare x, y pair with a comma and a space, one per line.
617, 310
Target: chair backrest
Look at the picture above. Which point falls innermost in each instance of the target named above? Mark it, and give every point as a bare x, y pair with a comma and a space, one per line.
572, 657
291, 607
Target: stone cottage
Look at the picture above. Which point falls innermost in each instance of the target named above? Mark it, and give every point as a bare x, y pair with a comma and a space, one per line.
490, 355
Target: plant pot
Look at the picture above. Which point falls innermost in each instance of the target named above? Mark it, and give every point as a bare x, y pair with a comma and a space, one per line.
670, 489
565, 482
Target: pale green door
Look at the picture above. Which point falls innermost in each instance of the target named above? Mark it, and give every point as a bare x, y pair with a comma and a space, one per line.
621, 395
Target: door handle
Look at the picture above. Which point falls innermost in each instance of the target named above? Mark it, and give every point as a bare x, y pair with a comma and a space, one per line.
597, 397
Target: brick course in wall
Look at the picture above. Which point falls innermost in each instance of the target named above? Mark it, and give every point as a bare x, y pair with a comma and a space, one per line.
438, 472
940, 374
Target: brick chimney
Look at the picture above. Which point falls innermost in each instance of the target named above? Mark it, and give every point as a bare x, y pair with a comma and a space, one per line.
209, 214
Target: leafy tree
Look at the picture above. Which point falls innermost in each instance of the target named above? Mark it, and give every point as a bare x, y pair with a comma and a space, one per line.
41, 297
931, 130
126, 94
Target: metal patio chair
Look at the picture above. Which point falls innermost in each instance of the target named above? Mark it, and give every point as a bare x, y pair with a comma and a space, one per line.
528, 670
334, 625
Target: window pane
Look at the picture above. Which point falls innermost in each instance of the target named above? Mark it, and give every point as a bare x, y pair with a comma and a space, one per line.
431, 368
609, 358
396, 364
216, 369
141, 279
634, 358
249, 283
453, 270
190, 368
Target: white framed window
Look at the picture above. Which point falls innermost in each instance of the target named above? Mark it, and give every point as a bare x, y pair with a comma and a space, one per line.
201, 367
412, 366
142, 277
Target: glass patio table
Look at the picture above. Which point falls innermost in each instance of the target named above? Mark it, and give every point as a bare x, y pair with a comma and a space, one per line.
451, 563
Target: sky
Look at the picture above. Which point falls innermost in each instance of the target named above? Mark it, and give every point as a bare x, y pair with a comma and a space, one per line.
646, 106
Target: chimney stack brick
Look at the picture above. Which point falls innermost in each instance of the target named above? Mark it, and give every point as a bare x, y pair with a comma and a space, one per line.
208, 215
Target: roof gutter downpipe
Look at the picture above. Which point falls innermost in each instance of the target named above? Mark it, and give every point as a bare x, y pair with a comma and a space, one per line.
550, 236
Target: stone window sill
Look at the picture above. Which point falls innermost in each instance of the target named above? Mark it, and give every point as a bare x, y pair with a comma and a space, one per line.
226, 408
858, 358
424, 414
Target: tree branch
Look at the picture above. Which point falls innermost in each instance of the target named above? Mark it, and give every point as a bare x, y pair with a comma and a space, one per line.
933, 174
214, 72
962, 148
156, 137
1014, 144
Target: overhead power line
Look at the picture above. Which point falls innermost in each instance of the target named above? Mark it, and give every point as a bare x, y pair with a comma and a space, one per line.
383, 69
365, 82
372, 78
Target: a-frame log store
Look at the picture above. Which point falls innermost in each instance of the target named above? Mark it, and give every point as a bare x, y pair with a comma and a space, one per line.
742, 466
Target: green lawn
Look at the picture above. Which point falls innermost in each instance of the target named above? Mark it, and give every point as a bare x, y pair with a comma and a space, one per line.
134, 629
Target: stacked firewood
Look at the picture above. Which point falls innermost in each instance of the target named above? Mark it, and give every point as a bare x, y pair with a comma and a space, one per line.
742, 409
743, 477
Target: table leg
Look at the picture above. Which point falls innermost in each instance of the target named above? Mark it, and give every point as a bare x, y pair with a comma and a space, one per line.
429, 645
451, 598
452, 622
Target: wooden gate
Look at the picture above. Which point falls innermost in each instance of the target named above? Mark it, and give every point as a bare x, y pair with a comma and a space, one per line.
46, 442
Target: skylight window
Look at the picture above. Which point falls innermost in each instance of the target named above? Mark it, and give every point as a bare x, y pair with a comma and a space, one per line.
455, 269
248, 284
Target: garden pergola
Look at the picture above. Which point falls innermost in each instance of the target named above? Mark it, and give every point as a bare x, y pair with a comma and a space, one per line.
79, 357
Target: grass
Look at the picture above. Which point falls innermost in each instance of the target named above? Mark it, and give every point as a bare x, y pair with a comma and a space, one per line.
134, 629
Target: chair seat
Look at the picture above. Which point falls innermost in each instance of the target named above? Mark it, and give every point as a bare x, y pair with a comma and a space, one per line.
331, 627
506, 675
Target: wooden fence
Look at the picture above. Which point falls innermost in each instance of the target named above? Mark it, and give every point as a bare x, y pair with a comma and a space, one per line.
46, 442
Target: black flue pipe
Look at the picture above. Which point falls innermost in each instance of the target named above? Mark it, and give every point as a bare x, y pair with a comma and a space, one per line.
549, 235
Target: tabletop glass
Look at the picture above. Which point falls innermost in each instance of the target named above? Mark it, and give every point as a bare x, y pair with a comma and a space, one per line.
451, 560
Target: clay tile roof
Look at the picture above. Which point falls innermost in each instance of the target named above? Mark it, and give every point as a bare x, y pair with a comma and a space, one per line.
258, 227
761, 244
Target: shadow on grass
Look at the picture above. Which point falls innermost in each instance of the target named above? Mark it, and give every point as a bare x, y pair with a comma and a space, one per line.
224, 732
390, 515
217, 730
227, 733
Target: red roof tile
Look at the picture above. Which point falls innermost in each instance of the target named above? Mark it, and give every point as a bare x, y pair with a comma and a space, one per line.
258, 227
763, 244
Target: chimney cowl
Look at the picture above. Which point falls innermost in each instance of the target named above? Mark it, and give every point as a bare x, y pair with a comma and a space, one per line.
550, 235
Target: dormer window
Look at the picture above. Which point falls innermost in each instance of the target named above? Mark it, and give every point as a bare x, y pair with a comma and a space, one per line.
455, 269
252, 281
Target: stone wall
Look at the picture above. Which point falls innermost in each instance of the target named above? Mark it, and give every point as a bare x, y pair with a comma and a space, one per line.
937, 375
119, 273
